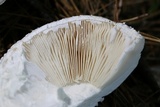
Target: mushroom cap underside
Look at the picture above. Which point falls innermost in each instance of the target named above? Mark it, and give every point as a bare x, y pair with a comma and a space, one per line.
85, 49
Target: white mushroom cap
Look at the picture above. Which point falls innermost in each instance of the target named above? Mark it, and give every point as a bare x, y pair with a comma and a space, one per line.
73, 62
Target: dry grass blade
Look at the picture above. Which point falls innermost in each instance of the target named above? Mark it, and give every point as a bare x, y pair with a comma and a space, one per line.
135, 18
75, 7
117, 9
150, 37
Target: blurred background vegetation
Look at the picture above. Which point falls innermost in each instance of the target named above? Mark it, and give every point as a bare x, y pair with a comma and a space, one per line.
141, 89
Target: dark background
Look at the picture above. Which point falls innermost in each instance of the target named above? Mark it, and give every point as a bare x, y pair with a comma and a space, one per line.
19, 17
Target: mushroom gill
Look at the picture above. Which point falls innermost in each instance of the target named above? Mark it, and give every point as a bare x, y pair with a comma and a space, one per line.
87, 52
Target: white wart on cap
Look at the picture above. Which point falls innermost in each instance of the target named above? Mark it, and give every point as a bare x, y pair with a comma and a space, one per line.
74, 62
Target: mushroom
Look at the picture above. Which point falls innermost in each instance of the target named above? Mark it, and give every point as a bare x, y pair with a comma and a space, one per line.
73, 62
